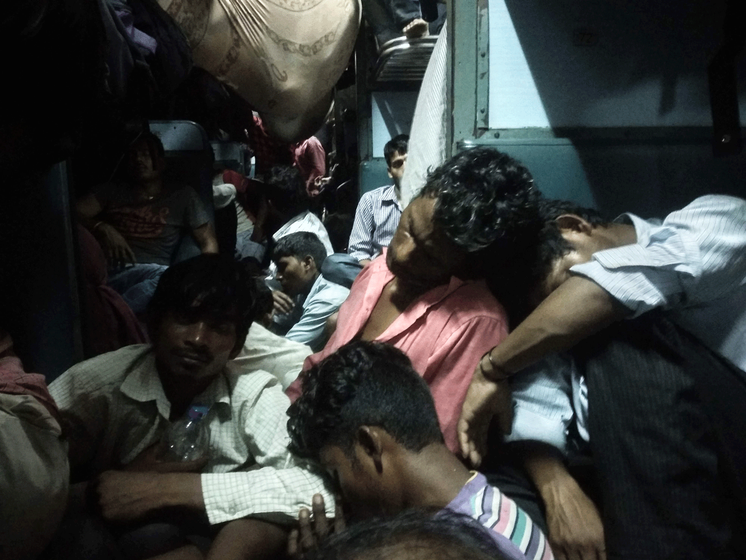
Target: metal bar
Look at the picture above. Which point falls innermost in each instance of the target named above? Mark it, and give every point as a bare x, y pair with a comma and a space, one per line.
462, 73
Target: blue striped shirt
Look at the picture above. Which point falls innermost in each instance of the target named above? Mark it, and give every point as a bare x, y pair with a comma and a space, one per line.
693, 264
376, 219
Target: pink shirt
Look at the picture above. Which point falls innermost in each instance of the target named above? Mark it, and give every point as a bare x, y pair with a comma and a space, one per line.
445, 333
310, 159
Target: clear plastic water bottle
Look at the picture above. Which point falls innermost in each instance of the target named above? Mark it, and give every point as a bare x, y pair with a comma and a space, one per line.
187, 439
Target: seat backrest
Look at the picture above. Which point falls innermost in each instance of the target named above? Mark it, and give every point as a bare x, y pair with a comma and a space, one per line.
189, 159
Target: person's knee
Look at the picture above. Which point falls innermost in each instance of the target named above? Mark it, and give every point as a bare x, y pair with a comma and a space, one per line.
250, 538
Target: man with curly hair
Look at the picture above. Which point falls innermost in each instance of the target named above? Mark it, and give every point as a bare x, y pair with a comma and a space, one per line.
369, 420
427, 293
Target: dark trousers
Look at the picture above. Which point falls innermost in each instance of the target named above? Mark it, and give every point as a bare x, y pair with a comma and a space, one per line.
84, 535
667, 425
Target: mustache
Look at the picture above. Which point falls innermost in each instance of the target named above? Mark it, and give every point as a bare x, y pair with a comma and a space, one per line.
194, 354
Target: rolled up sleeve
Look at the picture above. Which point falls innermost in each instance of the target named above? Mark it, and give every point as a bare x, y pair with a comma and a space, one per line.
542, 397
278, 485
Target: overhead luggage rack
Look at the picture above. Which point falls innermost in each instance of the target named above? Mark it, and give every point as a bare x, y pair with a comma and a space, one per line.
404, 60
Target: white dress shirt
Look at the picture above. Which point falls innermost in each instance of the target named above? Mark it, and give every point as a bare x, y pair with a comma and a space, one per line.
693, 264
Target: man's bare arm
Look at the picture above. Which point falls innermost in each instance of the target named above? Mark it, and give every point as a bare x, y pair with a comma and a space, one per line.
88, 208
115, 246
574, 525
574, 311
128, 496
205, 237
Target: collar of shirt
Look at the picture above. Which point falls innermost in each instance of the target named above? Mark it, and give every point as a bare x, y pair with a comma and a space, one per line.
142, 384
642, 227
318, 284
381, 275
388, 196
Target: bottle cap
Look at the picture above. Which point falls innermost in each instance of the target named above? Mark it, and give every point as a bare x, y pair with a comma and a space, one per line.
198, 411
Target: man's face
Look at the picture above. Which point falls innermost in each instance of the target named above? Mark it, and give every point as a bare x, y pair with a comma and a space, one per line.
194, 348
362, 491
582, 252
419, 254
140, 163
396, 167
294, 275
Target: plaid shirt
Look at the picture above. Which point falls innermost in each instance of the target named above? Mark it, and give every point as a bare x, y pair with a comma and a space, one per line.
114, 407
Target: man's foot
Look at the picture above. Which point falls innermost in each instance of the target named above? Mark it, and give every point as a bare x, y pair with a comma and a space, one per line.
415, 29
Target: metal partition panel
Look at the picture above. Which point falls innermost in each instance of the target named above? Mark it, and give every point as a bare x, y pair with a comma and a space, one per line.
468, 43
606, 101
646, 176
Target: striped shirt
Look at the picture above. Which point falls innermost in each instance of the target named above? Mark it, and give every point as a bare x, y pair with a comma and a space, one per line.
511, 528
376, 219
693, 264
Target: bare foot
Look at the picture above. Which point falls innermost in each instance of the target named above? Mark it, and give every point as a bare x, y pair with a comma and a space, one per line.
415, 29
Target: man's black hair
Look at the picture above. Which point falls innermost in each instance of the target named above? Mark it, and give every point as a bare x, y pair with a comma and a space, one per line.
287, 190
483, 197
552, 209
399, 143
264, 302
487, 204
154, 145
551, 246
300, 245
207, 286
412, 535
362, 384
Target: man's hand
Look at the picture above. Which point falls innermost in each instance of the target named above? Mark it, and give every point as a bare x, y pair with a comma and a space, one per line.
485, 399
126, 496
311, 531
574, 524
283, 302
117, 250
